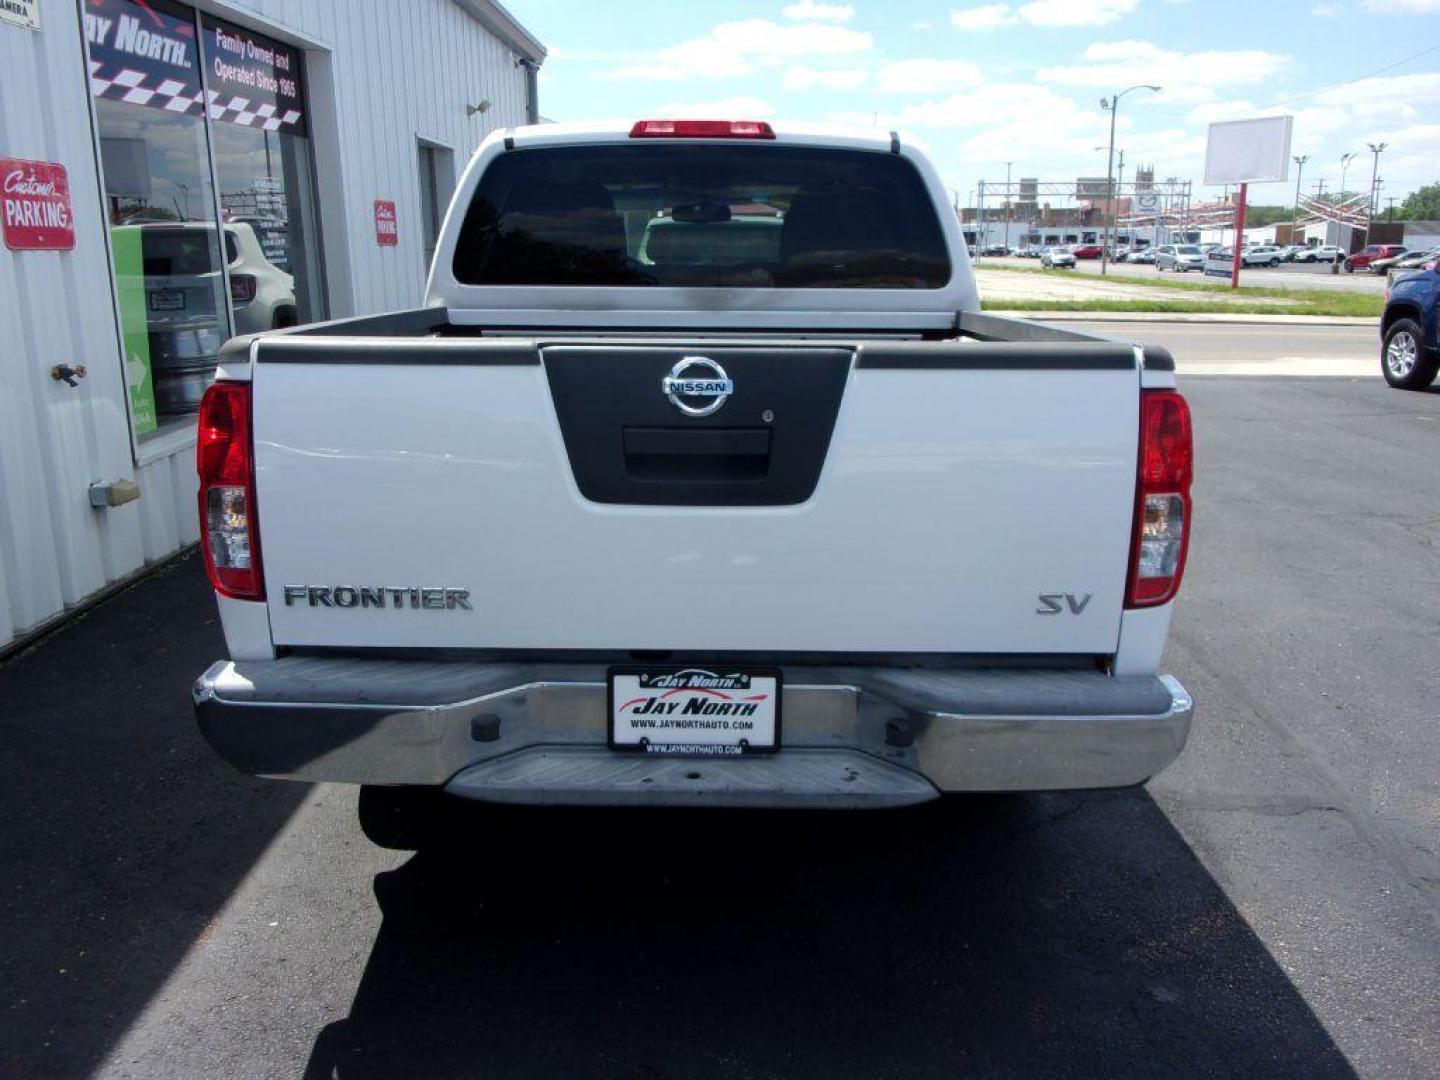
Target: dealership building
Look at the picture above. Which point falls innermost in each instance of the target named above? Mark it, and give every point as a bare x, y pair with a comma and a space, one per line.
174, 174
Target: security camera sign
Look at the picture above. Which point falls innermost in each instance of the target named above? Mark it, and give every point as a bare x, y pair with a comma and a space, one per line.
35, 206
21, 12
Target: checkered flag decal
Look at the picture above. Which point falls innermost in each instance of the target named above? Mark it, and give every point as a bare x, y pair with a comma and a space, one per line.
136, 88
238, 111
140, 88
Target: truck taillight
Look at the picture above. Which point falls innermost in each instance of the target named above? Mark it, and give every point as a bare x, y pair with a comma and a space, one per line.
702, 129
224, 455
1162, 499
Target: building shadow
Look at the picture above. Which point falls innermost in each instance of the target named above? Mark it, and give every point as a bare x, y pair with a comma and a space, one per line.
123, 834
1050, 936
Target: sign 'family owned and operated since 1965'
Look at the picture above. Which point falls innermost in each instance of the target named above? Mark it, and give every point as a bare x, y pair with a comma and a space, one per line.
147, 57
387, 231
35, 206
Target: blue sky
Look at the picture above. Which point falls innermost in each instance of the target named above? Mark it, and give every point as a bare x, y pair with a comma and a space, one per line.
979, 84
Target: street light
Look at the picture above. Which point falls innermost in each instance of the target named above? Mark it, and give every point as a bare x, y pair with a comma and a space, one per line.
1299, 160
1345, 160
1113, 104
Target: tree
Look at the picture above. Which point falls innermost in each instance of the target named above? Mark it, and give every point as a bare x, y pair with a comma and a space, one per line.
1422, 205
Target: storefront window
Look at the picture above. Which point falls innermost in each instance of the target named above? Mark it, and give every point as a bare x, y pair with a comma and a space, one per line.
186, 281
262, 164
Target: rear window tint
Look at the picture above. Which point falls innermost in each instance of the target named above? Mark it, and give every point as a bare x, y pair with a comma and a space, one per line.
175, 250
733, 216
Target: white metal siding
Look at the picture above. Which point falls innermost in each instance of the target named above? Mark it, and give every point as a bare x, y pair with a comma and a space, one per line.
57, 307
394, 72
398, 73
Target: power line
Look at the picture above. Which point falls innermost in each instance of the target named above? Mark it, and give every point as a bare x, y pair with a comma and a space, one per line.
1358, 78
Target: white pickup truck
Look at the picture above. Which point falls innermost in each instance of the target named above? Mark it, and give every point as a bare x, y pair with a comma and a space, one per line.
700, 479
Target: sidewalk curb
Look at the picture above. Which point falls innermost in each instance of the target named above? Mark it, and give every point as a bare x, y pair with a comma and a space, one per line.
1188, 317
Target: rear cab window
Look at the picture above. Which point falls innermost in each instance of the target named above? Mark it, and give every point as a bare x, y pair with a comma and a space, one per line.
702, 215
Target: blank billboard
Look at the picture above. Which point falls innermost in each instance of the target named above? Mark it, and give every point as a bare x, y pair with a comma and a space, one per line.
1249, 151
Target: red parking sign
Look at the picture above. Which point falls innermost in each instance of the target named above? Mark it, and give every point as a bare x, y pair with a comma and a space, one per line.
35, 208
387, 232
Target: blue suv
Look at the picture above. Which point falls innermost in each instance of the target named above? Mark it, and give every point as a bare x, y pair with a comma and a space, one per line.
1410, 330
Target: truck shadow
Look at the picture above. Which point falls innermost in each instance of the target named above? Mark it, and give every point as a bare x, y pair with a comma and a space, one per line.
123, 835
1045, 936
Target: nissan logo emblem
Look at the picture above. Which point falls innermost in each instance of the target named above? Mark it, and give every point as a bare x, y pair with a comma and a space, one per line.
697, 385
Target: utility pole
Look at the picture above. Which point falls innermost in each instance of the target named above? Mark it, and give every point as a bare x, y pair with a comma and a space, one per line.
980, 222
1390, 213
1299, 160
1119, 185
1377, 149
1009, 201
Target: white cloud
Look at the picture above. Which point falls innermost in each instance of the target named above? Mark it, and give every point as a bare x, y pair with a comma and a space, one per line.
922, 25
920, 76
1042, 13
731, 108
801, 77
1393, 99
1123, 63
809, 9
1403, 7
985, 17
732, 48
1076, 12
1327, 11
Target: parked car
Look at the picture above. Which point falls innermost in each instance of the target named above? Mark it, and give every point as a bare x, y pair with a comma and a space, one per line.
1368, 254
185, 317
672, 566
1292, 252
1087, 251
1145, 256
1379, 267
1410, 329
996, 249
1325, 253
1179, 257
1060, 256
1260, 255
1415, 260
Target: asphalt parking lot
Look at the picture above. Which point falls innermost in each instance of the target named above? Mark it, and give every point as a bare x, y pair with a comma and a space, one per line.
1284, 276
1270, 906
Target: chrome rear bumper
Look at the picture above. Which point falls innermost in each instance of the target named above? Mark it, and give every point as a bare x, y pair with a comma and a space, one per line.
852, 736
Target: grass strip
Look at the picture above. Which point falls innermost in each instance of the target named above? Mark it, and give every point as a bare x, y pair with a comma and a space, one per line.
1246, 300
1356, 306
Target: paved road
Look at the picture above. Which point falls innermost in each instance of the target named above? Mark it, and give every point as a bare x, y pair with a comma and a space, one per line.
1285, 276
1270, 906
1254, 348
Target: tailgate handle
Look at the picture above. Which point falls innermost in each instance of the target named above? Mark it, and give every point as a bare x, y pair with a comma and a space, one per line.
697, 455
707, 442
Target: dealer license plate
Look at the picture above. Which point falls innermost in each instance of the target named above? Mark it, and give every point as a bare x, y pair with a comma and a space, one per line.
167, 300
712, 712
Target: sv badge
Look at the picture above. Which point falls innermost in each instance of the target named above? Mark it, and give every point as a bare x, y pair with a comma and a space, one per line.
1059, 603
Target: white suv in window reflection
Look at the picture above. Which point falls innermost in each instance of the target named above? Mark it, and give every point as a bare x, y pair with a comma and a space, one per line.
184, 314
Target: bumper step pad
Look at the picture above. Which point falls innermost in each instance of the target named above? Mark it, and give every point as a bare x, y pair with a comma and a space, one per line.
799, 778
